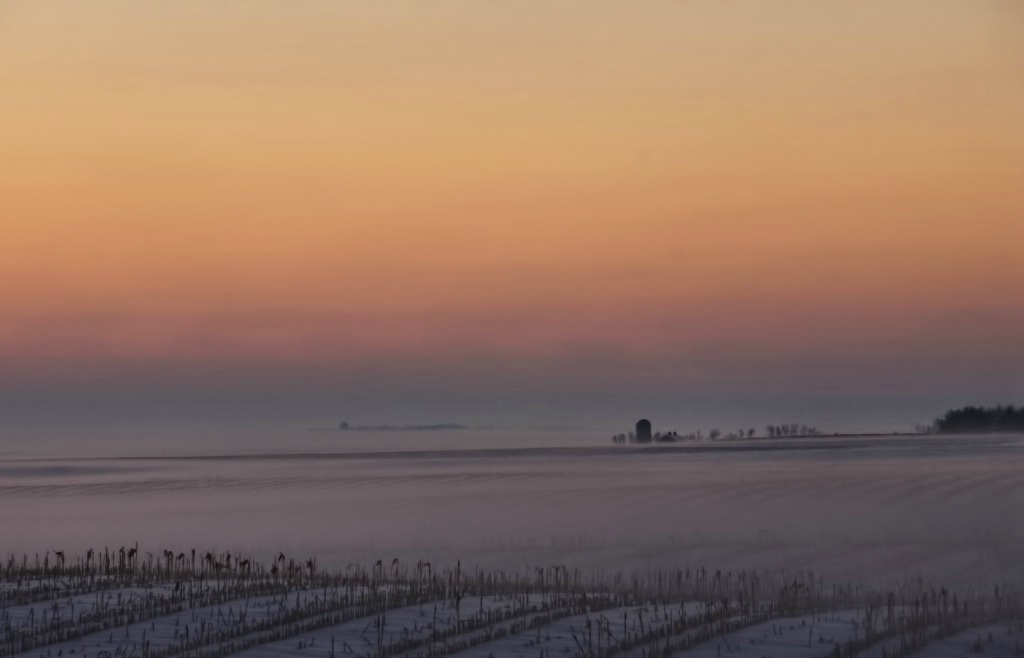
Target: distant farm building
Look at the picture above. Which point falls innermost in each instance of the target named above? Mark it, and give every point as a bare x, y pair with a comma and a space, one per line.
643, 431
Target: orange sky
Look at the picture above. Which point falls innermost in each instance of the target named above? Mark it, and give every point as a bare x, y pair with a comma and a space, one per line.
734, 195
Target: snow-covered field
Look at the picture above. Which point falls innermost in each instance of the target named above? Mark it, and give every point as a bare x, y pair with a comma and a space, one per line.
417, 627
798, 637
290, 608
658, 538
363, 614
994, 640
863, 509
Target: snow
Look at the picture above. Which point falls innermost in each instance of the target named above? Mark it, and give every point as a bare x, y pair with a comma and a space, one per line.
210, 623
995, 641
805, 636
410, 624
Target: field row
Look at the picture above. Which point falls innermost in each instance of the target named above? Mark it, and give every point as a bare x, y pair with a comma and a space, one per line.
223, 607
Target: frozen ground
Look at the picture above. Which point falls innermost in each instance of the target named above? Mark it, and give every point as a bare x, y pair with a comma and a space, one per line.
995, 641
809, 636
877, 512
175, 629
290, 607
369, 621
421, 627
866, 509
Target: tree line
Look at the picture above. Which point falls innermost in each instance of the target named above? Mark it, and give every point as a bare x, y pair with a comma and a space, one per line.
1001, 418
780, 431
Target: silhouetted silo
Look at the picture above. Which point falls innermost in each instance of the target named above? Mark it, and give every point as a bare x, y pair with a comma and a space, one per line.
643, 431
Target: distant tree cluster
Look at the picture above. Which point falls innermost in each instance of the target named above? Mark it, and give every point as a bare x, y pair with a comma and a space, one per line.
772, 431
981, 419
791, 429
659, 437
673, 437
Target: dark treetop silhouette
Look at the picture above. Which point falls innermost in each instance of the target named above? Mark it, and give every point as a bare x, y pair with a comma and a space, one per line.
981, 419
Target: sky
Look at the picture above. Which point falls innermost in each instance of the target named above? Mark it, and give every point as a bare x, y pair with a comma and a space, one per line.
399, 201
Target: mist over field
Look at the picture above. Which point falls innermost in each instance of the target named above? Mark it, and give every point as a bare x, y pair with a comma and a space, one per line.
105, 422
849, 509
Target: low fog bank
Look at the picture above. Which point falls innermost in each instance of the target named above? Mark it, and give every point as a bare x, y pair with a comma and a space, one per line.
174, 423
873, 511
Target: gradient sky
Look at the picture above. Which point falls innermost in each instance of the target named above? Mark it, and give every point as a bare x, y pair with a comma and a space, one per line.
562, 197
